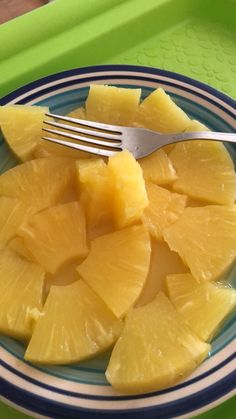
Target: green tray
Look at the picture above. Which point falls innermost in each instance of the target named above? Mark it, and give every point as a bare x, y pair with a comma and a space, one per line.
194, 37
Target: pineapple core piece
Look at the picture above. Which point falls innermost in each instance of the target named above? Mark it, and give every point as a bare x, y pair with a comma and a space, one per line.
75, 325
56, 235
205, 239
117, 266
21, 293
130, 196
203, 307
95, 189
155, 349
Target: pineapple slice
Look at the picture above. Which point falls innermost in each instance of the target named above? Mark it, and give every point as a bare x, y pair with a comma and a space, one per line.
159, 113
21, 293
95, 187
75, 325
47, 149
205, 171
12, 215
112, 105
157, 168
163, 262
164, 209
203, 307
155, 349
18, 245
22, 128
130, 196
205, 239
117, 266
38, 183
56, 235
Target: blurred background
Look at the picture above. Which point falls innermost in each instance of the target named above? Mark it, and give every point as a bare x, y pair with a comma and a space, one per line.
10, 9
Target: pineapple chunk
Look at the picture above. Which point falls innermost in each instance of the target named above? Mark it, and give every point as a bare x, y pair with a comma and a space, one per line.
117, 266
205, 239
164, 209
78, 113
130, 196
18, 245
157, 168
21, 292
203, 307
38, 183
95, 187
75, 325
205, 171
195, 126
112, 105
12, 215
56, 235
22, 128
155, 349
47, 149
159, 113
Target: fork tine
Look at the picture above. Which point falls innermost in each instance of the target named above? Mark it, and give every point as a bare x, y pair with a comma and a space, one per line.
87, 149
97, 125
84, 139
84, 131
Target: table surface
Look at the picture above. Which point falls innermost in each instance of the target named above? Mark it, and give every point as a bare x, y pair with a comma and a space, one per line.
10, 9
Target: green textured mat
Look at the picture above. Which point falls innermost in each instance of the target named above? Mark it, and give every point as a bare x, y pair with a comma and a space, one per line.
194, 37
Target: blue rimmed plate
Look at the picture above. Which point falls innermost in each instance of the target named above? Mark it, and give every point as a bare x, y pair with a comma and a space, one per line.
81, 391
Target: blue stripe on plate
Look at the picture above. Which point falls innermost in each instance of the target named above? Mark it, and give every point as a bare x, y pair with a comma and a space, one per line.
57, 410
119, 67
112, 398
111, 77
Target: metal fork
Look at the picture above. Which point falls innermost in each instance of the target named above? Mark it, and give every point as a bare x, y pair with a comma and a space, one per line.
106, 140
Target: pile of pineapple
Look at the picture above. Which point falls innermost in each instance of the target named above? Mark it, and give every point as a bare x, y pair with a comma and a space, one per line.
99, 253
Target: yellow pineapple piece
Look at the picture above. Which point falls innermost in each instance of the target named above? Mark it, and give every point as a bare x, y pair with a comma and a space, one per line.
18, 245
157, 168
205, 239
159, 112
47, 149
164, 209
78, 113
22, 128
38, 183
12, 215
205, 171
203, 307
75, 325
163, 262
56, 235
195, 126
112, 105
21, 292
117, 266
130, 196
155, 349
95, 188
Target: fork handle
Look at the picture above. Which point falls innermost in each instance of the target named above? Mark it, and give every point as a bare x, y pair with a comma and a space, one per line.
206, 135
